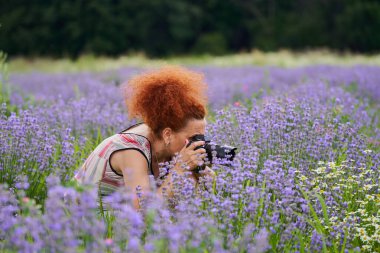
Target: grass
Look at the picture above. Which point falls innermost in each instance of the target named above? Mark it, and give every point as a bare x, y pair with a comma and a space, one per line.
283, 58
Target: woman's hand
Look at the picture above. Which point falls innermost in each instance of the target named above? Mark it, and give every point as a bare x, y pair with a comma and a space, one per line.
207, 172
190, 158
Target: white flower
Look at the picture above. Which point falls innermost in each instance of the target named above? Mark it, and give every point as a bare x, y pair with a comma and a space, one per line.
365, 238
366, 247
367, 187
320, 170
361, 231
331, 164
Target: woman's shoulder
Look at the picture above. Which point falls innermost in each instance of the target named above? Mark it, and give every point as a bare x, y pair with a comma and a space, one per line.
133, 139
131, 147
136, 135
123, 141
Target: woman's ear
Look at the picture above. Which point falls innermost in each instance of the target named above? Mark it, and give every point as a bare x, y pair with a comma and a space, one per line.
166, 135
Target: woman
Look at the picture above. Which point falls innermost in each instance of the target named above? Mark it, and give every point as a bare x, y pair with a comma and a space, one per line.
172, 104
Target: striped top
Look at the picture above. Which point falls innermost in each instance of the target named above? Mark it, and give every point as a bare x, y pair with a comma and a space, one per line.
97, 168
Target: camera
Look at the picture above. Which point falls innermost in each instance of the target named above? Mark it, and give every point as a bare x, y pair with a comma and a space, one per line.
214, 150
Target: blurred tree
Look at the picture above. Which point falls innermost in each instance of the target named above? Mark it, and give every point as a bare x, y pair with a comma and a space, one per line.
358, 27
165, 27
210, 43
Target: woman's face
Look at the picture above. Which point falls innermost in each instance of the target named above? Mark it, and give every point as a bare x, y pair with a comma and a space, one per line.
178, 139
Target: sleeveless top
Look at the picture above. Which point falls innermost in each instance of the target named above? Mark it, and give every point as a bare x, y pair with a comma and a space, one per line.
97, 168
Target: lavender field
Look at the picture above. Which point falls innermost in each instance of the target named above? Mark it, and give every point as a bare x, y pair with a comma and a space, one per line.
306, 178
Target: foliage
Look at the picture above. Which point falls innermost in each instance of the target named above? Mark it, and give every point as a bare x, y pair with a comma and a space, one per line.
165, 28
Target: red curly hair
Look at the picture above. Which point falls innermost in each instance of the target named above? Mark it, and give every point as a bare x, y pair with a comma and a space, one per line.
167, 97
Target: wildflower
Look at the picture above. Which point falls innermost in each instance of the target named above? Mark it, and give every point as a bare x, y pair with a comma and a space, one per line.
320, 170
362, 211
367, 187
365, 238
108, 241
331, 165
367, 247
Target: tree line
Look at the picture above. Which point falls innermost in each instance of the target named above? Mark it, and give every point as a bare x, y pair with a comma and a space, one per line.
171, 27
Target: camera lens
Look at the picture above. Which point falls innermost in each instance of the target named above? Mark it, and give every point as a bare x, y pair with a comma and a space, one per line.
214, 150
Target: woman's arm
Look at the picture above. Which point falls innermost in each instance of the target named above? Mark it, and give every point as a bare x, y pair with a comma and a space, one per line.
133, 165
206, 172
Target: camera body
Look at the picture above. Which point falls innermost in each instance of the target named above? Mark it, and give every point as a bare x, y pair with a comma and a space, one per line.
214, 150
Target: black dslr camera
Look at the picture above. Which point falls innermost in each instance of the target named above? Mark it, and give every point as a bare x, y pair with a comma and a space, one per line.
213, 150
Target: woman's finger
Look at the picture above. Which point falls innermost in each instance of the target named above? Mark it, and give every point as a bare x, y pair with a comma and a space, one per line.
200, 151
201, 158
208, 172
196, 144
204, 155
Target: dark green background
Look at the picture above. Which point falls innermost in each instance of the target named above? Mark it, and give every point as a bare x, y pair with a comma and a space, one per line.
172, 27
